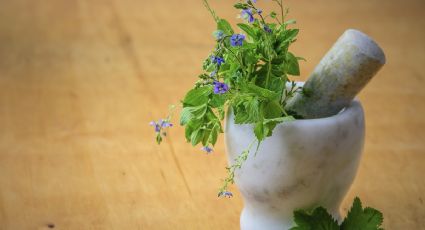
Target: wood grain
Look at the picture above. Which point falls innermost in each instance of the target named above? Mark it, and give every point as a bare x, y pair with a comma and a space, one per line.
80, 80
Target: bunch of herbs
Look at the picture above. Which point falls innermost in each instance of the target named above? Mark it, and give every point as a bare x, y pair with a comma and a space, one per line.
246, 73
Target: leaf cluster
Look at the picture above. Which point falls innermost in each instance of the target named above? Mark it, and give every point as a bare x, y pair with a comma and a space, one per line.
256, 73
358, 218
201, 115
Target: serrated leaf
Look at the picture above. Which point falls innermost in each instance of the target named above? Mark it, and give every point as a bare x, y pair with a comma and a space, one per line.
362, 219
290, 34
248, 29
259, 131
207, 134
185, 116
247, 110
224, 26
320, 219
196, 136
293, 67
217, 100
189, 113
214, 133
197, 96
250, 58
262, 92
272, 109
191, 126
277, 84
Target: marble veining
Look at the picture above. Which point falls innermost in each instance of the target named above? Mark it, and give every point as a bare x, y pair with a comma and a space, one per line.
304, 164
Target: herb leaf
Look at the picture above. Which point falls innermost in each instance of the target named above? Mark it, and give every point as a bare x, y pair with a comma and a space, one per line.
197, 96
248, 29
357, 219
293, 66
224, 26
364, 219
320, 219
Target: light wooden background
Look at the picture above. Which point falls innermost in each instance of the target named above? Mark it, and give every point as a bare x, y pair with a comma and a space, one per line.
80, 81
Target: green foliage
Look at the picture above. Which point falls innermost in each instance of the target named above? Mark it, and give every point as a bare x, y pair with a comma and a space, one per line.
320, 219
254, 74
250, 31
364, 219
357, 219
224, 26
197, 96
202, 125
241, 6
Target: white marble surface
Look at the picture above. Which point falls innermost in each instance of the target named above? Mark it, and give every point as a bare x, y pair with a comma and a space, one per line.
304, 164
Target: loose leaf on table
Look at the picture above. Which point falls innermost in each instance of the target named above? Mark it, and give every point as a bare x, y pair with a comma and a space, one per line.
320, 219
362, 219
357, 219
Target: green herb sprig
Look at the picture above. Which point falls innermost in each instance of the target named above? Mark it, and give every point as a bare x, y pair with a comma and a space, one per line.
247, 74
358, 218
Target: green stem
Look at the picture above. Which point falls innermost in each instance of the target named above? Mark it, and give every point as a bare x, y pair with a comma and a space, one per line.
207, 5
280, 3
237, 165
221, 45
269, 69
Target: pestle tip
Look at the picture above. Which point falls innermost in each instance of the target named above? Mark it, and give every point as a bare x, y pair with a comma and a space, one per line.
365, 43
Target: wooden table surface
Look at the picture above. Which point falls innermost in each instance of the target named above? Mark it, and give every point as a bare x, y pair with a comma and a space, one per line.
80, 81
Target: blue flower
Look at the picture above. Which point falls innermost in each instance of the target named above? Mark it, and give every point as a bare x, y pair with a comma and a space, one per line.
220, 87
225, 194
160, 124
156, 125
237, 39
259, 11
247, 15
267, 29
217, 60
218, 34
165, 123
207, 149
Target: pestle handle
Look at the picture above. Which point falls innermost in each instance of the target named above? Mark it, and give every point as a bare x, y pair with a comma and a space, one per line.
341, 74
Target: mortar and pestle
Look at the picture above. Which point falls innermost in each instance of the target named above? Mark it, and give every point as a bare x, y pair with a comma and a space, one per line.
312, 161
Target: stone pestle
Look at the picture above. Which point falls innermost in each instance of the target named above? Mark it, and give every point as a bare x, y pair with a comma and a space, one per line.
347, 67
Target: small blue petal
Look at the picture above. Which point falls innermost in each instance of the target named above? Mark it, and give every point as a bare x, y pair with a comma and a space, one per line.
157, 128
225, 194
218, 34
247, 15
237, 39
207, 149
267, 29
220, 88
217, 60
